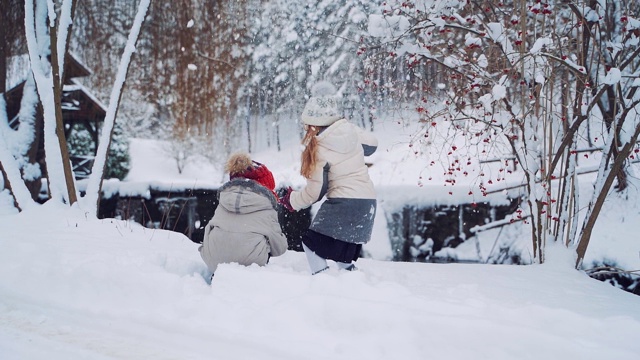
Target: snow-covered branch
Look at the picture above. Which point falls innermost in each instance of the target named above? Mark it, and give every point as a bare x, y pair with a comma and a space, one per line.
10, 165
90, 200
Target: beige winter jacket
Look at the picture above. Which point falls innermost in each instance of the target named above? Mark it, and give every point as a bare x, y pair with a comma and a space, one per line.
342, 175
244, 228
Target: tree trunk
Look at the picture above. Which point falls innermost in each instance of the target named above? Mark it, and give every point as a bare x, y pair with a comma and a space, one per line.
57, 98
68, 37
3, 79
7, 185
592, 214
4, 52
35, 185
94, 187
248, 122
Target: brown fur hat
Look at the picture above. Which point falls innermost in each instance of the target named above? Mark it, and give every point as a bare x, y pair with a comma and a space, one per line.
238, 163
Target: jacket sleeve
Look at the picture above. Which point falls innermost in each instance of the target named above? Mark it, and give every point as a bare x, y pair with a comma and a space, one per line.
314, 190
368, 140
277, 240
207, 230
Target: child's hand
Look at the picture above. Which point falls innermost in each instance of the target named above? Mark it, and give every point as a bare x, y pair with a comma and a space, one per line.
285, 200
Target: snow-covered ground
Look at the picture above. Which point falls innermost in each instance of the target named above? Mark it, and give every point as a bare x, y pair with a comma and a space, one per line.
74, 287
77, 288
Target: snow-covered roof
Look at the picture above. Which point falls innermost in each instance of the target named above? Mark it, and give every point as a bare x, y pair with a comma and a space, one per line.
79, 67
18, 68
75, 86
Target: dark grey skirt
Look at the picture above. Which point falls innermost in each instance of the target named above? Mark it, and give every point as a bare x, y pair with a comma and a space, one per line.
330, 248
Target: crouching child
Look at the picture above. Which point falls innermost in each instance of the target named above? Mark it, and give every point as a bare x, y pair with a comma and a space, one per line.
245, 227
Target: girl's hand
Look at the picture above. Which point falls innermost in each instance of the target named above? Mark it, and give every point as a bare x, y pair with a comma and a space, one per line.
285, 200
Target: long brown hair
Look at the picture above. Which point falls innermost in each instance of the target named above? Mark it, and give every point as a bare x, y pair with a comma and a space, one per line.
309, 157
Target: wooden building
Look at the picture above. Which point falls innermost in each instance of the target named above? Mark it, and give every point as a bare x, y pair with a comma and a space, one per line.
80, 110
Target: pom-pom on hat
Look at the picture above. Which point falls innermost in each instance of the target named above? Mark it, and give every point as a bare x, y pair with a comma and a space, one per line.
322, 107
240, 165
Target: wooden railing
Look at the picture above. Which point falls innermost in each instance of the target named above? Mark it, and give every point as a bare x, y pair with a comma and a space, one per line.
81, 165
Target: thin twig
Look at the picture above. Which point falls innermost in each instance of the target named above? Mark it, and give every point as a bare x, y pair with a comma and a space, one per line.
215, 60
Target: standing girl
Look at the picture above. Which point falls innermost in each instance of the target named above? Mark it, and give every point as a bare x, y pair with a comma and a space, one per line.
333, 164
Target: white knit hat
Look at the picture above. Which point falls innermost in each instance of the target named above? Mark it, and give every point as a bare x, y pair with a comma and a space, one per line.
322, 107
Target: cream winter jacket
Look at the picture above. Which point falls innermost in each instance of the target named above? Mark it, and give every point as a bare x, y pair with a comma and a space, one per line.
342, 175
244, 228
